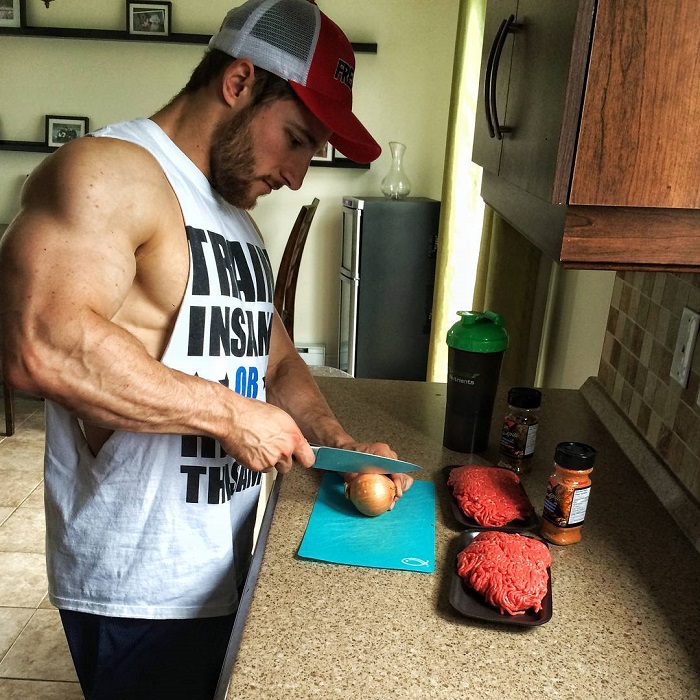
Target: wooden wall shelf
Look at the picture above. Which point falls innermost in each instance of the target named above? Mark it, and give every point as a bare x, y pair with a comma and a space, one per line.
119, 35
41, 147
340, 164
30, 146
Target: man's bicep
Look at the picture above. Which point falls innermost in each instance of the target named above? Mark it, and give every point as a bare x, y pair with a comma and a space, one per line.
50, 265
74, 241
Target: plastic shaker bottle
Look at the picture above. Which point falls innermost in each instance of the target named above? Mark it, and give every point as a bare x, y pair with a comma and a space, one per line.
476, 346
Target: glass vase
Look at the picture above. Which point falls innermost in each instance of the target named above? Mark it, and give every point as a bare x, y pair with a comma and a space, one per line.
396, 184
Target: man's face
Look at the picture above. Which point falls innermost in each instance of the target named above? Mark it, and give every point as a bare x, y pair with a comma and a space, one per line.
264, 148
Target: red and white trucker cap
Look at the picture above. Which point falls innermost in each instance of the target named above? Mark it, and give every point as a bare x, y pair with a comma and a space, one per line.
296, 41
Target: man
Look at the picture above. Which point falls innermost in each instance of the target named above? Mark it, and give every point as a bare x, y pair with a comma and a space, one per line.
137, 299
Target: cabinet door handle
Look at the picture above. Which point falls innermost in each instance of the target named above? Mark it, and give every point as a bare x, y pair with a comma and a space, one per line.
488, 82
508, 25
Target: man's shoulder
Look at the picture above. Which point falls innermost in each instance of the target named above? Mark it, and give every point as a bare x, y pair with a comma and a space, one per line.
119, 180
106, 159
114, 147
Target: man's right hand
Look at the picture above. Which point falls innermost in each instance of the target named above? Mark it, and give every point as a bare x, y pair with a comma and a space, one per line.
265, 437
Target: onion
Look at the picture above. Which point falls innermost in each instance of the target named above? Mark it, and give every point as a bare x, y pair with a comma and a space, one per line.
371, 494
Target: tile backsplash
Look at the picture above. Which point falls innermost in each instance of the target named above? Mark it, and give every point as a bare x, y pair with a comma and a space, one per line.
640, 338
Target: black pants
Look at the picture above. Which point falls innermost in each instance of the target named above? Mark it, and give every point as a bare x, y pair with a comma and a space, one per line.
132, 659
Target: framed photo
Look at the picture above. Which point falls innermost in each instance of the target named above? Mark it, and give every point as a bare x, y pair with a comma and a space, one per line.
324, 155
330, 157
60, 130
338, 157
12, 13
148, 18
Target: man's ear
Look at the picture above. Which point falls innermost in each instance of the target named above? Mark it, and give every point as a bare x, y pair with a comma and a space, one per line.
237, 81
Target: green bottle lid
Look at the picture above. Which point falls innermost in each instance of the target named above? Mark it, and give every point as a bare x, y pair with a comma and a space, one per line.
478, 331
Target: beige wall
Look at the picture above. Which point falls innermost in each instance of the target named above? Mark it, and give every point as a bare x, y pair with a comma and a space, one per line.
577, 312
402, 93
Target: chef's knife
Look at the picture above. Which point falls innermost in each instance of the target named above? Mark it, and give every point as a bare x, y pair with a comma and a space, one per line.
335, 459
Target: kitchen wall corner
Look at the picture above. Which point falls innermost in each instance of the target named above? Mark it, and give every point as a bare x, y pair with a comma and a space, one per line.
635, 364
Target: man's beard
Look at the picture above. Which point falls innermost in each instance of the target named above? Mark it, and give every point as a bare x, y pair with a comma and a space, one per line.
232, 160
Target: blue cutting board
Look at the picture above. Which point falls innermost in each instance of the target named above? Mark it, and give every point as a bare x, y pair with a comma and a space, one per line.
402, 538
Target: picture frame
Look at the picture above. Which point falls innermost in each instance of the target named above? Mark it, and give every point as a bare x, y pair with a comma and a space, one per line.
330, 157
324, 154
60, 129
12, 13
339, 158
146, 18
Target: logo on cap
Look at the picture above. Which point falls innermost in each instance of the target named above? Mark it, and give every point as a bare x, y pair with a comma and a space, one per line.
344, 72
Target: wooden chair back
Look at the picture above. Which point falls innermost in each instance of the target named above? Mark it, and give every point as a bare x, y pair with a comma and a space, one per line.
288, 273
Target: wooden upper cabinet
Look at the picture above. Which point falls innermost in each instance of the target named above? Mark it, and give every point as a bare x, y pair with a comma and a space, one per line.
544, 95
487, 149
533, 70
638, 141
597, 106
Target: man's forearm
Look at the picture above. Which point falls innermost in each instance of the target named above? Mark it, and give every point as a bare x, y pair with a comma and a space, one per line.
291, 387
108, 379
105, 376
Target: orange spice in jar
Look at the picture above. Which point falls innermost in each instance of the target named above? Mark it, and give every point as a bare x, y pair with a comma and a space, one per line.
567, 493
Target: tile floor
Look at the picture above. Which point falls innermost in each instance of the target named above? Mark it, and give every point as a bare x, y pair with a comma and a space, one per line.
34, 657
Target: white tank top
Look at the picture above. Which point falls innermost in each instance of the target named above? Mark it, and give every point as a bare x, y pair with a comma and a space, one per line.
160, 526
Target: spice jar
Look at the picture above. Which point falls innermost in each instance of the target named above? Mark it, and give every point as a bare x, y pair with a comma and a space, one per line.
519, 432
567, 493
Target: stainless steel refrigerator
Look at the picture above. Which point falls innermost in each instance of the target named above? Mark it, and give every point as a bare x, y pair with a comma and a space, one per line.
387, 277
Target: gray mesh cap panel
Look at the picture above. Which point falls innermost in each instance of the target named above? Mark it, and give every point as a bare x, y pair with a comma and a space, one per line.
277, 35
298, 26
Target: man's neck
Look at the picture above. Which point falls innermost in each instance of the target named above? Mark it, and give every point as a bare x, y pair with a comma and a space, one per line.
189, 121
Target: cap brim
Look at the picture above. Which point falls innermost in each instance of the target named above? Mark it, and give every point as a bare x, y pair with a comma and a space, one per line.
349, 136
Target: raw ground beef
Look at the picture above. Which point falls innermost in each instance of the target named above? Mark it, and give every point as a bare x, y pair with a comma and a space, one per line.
492, 496
508, 569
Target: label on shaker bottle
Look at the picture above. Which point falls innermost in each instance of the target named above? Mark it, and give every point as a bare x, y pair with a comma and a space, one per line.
465, 391
471, 389
467, 381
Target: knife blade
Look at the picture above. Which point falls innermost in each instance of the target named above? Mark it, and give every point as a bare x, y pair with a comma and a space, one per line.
335, 459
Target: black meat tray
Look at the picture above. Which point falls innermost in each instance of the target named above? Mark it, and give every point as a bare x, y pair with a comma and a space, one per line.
529, 524
465, 600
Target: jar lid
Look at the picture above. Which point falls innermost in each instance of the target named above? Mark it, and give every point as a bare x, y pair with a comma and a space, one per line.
524, 397
478, 331
575, 455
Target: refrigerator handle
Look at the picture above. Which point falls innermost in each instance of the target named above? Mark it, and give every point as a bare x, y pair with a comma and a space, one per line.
350, 243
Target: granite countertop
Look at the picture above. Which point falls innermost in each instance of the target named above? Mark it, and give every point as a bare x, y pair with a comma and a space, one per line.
626, 619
